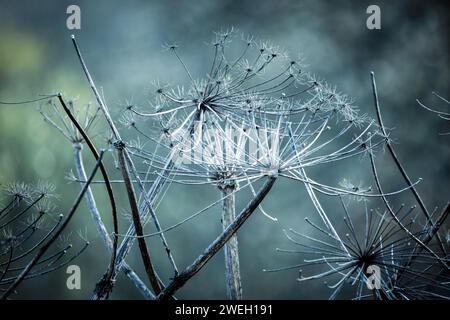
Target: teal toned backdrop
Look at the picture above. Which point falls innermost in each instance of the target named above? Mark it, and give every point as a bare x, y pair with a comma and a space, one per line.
122, 43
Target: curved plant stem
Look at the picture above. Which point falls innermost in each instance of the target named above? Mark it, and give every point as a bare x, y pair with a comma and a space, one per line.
137, 221
397, 161
109, 277
101, 229
102, 290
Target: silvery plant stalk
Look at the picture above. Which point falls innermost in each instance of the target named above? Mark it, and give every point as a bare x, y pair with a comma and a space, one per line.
231, 251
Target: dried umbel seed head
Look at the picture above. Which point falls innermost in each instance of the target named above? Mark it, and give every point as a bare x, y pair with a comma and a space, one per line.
260, 77
128, 120
19, 190
404, 270
26, 223
45, 189
86, 116
45, 207
7, 238
253, 113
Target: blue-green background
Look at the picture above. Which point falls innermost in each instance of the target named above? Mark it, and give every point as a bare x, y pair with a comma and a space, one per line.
121, 41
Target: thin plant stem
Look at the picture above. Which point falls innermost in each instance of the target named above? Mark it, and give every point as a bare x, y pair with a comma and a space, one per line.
397, 161
137, 221
110, 273
394, 216
116, 134
101, 229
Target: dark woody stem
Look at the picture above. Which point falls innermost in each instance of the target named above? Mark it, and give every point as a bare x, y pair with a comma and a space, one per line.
219, 242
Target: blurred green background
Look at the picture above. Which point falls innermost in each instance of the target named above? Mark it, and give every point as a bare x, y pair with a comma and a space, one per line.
122, 42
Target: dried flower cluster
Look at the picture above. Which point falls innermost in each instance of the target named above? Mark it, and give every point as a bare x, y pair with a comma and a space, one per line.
255, 117
27, 220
